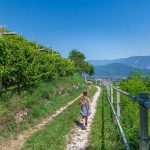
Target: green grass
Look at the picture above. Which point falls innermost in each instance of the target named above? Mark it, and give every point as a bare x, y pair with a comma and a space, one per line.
104, 134
53, 136
43, 101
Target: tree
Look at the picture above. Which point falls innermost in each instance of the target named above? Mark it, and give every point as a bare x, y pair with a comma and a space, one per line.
76, 55
81, 65
136, 74
91, 70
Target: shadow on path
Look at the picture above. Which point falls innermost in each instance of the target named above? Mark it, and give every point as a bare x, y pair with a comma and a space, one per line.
78, 123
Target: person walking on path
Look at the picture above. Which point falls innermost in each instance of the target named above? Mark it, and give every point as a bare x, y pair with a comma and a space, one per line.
85, 109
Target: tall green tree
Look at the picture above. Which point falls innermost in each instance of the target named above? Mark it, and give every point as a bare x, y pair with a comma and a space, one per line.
81, 65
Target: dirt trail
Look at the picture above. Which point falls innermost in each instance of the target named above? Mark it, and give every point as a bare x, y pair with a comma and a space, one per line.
78, 138
17, 143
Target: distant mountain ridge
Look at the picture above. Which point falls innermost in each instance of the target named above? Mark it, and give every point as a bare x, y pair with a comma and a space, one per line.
140, 62
116, 69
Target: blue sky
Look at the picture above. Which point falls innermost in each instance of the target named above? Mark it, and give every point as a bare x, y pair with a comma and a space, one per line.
102, 29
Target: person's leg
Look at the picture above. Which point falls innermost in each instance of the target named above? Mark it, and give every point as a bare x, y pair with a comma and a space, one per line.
84, 123
83, 120
86, 119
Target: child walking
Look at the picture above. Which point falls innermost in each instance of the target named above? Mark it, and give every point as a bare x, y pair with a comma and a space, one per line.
85, 109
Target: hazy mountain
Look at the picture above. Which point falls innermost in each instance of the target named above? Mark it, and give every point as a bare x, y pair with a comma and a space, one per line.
142, 62
116, 69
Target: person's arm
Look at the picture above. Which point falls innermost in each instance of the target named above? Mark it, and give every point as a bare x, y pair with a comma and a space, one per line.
89, 103
81, 100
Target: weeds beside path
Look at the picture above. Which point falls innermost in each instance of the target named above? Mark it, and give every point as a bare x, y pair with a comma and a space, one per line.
48, 121
53, 135
105, 134
18, 142
79, 137
20, 112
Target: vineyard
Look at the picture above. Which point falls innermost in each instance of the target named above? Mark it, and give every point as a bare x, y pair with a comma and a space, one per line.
23, 64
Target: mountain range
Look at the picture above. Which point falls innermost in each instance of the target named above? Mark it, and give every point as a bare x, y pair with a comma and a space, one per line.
140, 62
121, 67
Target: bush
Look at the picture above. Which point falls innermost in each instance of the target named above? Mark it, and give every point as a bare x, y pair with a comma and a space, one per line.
22, 66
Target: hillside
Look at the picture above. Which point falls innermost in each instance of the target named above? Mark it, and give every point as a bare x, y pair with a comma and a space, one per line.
24, 63
141, 62
35, 81
116, 69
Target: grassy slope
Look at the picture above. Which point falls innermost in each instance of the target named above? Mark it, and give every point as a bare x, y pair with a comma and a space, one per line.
53, 136
41, 102
104, 132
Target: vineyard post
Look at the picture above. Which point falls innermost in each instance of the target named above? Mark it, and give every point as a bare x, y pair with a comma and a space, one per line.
143, 124
111, 94
118, 102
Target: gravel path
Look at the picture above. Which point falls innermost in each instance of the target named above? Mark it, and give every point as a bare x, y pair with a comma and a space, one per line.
78, 138
17, 143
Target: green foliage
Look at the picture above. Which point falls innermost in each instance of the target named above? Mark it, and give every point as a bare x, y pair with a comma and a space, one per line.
134, 84
104, 134
22, 65
40, 102
76, 55
147, 82
135, 74
130, 110
81, 65
91, 70
53, 136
